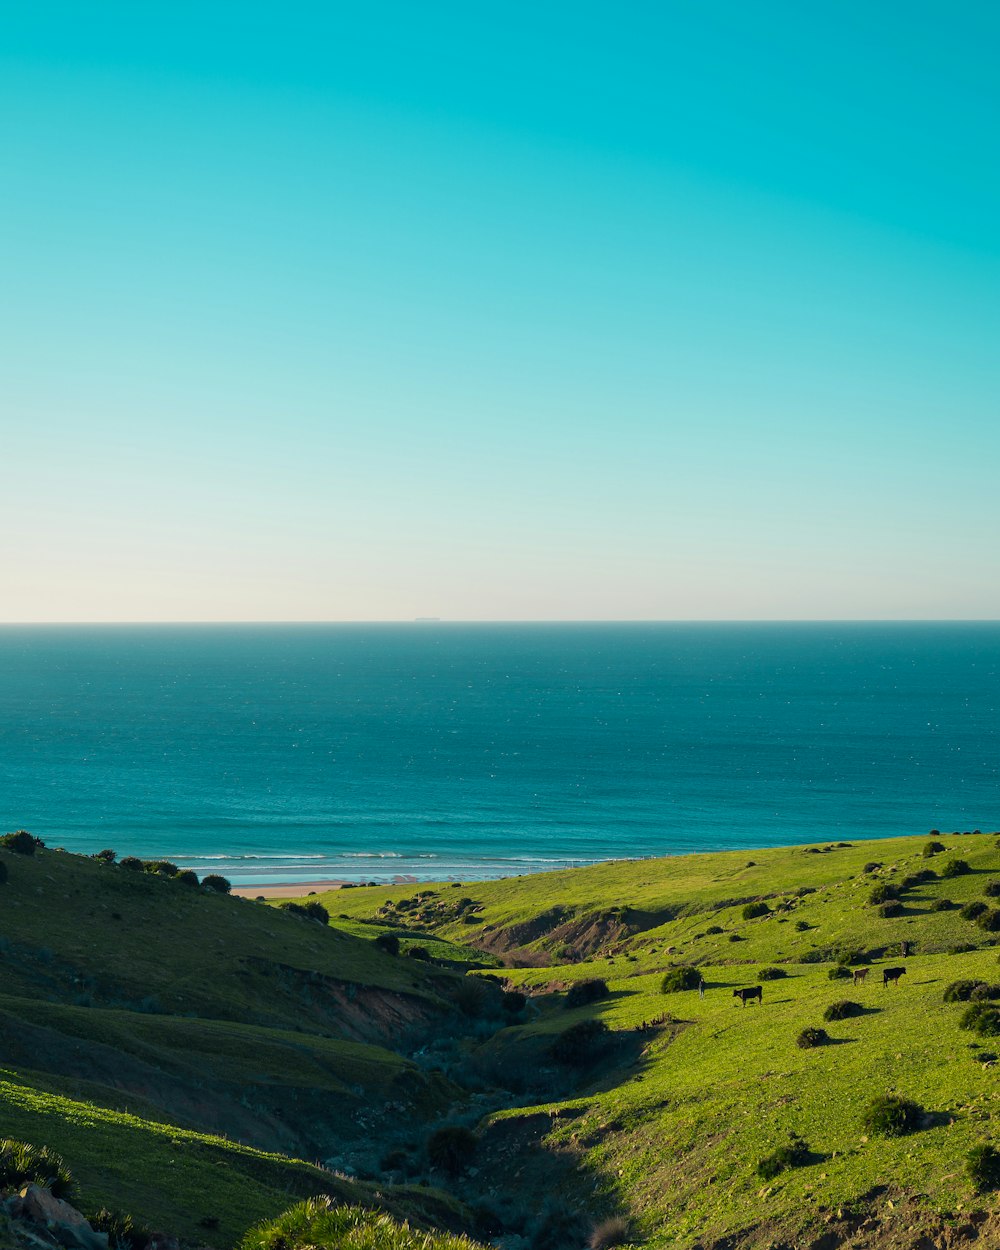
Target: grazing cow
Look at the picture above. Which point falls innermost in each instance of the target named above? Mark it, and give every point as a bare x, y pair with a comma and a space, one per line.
859, 975
754, 992
890, 976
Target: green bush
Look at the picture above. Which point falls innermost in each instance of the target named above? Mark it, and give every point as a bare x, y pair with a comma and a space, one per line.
871, 866
982, 1166
122, 1230
735, 937
107, 856
771, 974
981, 1017
989, 920
388, 943
884, 892
683, 977
315, 911
932, 848
795, 1155
842, 1010
580, 1043
419, 952
21, 1163
21, 843
839, 973
187, 877
962, 948
961, 991
580, 993
942, 904
973, 910
992, 888
131, 864
213, 881
452, 1149
909, 883
955, 868
714, 930
892, 1116
160, 867
890, 910
984, 993
809, 1038
752, 911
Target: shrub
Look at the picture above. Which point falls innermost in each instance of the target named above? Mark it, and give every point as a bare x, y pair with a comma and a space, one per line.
960, 991
608, 1233
187, 877
752, 911
130, 863
982, 1166
735, 937
513, 1001
214, 882
580, 1043
419, 952
107, 856
451, 1149
809, 1038
21, 843
842, 1010
982, 1018
794, 1155
771, 974
973, 910
801, 926
122, 1231
962, 948
592, 990
983, 993
942, 904
161, 867
989, 920
683, 977
871, 866
892, 1116
388, 943
932, 848
955, 868
839, 972
992, 889
891, 909
884, 892
21, 1163
714, 929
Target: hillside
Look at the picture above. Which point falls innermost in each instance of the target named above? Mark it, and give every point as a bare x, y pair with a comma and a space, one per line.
187, 1051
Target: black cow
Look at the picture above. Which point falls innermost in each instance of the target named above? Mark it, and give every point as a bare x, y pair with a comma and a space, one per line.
753, 993
890, 976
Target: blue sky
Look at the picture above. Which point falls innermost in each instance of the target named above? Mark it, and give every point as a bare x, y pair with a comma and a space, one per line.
532, 311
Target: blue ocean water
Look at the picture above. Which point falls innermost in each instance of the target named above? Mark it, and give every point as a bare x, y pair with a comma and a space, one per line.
280, 753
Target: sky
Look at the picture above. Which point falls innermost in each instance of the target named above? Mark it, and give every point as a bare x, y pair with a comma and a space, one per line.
532, 311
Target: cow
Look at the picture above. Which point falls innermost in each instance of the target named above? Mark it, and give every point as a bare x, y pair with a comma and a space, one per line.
859, 975
749, 995
890, 976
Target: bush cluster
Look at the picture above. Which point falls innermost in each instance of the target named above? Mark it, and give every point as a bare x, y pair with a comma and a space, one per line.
591, 990
21, 842
751, 911
981, 1017
810, 1038
795, 1155
891, 909
973, 910
308, 911
955, 868
388, 943
683, 977
842, 1010
884, 892
580, 1043
961, 991
452, 1149
989, 919
933, 848
839, 972
982, 1166
871, 866
122, 1230
771, 974
21, 1162
892, 1116
221, 885
942, 904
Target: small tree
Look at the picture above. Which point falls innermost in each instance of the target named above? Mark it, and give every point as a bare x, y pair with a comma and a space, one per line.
220, 885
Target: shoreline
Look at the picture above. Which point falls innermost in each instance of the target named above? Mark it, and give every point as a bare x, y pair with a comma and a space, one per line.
299, 889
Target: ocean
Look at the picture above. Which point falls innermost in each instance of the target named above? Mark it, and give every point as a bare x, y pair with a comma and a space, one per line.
281, 753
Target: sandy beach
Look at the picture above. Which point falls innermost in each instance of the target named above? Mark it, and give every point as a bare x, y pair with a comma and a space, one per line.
296, 889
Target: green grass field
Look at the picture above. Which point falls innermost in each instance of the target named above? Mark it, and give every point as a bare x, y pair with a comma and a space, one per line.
661, 1125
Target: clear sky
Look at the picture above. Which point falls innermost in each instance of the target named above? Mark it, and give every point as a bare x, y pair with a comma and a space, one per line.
547, 310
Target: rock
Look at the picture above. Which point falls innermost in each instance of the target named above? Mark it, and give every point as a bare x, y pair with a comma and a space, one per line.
63, 1223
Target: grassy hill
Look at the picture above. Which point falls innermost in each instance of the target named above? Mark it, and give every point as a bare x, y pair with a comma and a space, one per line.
615, 1112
